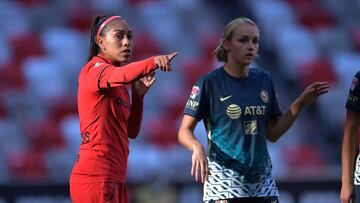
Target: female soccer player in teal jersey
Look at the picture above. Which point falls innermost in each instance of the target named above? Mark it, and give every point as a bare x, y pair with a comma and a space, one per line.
240, 111
350, 170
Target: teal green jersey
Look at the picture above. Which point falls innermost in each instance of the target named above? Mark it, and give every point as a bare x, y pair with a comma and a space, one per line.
235, 113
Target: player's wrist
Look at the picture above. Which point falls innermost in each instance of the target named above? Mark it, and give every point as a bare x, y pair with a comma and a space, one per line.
196, 146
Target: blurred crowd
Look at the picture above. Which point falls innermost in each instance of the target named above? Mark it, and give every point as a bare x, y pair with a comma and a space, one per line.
44, 44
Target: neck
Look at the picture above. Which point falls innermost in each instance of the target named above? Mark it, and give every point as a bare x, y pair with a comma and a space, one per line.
237, 70
109, 59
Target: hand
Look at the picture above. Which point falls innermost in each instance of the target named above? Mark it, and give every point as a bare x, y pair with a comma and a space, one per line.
141, 86
313, 91
199, 164
347, 193
163, 61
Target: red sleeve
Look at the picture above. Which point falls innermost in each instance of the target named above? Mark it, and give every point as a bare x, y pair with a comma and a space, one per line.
112, 76
104, 75
137, 108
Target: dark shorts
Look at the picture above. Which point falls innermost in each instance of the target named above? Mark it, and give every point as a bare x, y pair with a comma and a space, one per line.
357, 193
98, 192
248, 200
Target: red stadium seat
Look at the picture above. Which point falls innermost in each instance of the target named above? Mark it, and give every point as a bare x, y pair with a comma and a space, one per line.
304, 157
33, 3
63, 107
45, 135
311, 14
145, 46
3, 110
194, 69
80, 18
319, 69
12, 76
164, 129
26, 45
355, 36
27, 165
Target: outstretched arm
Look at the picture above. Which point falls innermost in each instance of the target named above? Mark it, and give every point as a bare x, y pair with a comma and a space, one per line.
112, 76
187, 139
276, 128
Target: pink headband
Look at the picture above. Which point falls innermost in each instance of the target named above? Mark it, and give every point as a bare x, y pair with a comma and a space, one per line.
104, 24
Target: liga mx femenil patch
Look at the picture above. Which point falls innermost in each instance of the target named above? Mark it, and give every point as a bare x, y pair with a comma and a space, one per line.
354, 83
194, 92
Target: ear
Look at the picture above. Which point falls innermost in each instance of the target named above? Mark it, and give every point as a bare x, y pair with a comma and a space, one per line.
226, 45
100, 42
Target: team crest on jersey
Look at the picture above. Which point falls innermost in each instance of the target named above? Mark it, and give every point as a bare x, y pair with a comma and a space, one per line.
264, 96
354, 83
250, 127
194, 92
233, 111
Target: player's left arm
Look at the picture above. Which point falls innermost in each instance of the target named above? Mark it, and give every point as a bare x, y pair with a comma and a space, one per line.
277, 127
138, 91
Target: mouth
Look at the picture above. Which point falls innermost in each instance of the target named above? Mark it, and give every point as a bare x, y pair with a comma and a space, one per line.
126, 51
250, 55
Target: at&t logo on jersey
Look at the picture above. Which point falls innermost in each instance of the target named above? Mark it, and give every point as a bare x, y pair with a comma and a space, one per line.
233, 111
194, 92
354, 83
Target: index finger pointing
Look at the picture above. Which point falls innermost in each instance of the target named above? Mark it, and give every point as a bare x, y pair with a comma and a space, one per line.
171, 56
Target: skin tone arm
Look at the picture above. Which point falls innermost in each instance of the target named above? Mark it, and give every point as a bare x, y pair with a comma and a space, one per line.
276, 128
186, 137
348, 156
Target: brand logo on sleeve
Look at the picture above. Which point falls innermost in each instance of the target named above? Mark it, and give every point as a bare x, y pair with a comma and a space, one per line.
194, 92
97, 64
354, 83
225, 98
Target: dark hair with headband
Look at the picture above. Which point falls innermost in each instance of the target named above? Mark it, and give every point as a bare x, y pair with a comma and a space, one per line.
97, 29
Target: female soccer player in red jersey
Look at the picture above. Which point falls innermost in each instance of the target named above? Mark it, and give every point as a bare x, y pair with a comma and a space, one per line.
108, 114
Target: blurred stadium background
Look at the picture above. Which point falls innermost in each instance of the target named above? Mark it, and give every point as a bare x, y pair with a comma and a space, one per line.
44, 44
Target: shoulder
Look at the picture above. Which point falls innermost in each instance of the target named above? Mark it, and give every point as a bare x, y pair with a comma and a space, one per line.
260, 74
213, 75
355, 82
95, 64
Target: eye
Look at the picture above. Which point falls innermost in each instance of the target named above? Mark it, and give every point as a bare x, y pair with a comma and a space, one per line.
243, 39
255, 41
130, 35
120, 35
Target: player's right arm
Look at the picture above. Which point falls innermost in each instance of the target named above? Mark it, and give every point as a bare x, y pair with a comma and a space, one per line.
186, 137
112, 76
348, 154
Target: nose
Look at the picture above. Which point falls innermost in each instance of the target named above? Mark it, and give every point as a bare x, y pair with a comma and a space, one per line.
126, 41
251, 46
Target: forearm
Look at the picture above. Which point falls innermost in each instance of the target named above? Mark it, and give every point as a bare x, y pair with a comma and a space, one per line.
131, 72
136, 115
348, 155
280, 126
187, 139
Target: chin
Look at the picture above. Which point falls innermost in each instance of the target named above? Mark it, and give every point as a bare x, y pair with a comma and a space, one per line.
123, 60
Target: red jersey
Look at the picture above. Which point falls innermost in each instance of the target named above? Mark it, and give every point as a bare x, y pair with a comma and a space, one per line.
104, 110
